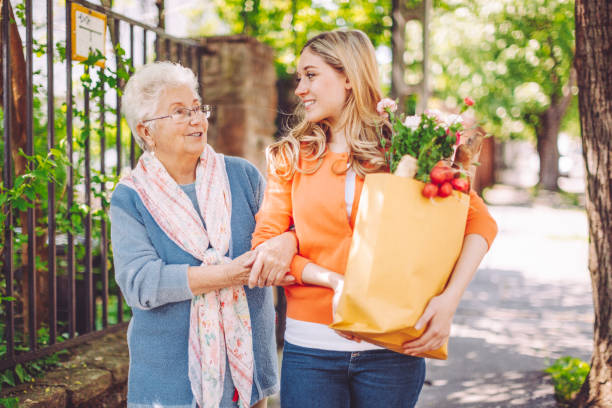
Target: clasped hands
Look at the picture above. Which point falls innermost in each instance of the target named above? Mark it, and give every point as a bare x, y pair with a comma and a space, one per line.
270, 262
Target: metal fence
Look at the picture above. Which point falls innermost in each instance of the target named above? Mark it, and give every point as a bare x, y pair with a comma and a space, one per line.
77, 294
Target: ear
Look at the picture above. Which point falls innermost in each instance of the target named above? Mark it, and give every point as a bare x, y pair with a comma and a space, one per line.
347, 84
145, 134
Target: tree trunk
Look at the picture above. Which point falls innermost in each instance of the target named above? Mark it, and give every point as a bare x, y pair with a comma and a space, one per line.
398, 46
593, 39
19, 142
18, 89
547, 135
400, 15
547, 149
161, 14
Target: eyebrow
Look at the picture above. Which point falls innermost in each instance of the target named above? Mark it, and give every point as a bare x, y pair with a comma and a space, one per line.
309, 67
195, 100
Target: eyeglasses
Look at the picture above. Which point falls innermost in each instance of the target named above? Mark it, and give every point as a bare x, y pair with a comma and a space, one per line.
182, 115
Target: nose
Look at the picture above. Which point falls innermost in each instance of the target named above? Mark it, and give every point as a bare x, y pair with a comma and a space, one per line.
197, 117
300, 89
197, 120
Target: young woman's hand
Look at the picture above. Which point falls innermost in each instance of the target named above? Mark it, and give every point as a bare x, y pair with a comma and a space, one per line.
348, 336
273, 261
437, 319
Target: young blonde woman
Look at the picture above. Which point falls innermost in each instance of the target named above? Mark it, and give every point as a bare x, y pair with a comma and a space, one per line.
315, 179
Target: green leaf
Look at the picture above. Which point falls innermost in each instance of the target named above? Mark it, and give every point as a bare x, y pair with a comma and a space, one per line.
8, 377
22, 374
10, 402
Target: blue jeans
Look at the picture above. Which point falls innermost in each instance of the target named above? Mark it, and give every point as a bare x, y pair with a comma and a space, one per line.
313, 378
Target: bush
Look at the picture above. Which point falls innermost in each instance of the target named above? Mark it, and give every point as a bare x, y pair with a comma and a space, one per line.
568, 374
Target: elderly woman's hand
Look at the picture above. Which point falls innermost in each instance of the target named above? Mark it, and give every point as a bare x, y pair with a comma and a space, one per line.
239, 270
205, 278
273, 261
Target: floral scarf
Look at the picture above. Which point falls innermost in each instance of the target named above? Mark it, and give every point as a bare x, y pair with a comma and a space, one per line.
220, 322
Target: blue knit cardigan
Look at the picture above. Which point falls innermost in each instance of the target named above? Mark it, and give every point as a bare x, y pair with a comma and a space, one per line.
151, 271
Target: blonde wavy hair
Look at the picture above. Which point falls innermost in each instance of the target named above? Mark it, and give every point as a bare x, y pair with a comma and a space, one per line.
351, 53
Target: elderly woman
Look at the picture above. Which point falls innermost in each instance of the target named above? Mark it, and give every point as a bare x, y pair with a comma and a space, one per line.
181, 231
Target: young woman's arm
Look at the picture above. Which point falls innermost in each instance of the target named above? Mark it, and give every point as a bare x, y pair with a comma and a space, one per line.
272, 241
314, 274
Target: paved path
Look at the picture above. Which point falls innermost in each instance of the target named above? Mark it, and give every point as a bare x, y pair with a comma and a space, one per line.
530, 303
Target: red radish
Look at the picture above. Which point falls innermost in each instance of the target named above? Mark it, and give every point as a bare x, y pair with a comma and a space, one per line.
461, 184
445, 190
441, 163
440, 174
430, 190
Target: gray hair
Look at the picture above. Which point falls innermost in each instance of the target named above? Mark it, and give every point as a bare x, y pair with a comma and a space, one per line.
142, 92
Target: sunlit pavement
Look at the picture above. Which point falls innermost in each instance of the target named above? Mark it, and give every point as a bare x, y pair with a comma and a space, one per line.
530, 303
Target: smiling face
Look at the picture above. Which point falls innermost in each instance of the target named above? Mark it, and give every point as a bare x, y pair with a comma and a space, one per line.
176, 141
321, 88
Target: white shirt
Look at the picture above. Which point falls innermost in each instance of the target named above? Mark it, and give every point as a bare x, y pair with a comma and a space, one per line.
321, 336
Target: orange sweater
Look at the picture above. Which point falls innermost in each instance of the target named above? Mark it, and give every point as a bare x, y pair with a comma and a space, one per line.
315, 205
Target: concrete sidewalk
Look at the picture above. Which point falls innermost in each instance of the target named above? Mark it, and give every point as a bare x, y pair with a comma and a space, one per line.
529, 304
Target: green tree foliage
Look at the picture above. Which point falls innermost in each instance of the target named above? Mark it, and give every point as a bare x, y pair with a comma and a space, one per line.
513, 57
286, 25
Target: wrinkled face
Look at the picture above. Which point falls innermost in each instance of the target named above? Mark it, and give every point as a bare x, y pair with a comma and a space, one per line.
172, 139
321, 88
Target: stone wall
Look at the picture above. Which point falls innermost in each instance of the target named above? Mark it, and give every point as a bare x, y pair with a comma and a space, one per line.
239, 79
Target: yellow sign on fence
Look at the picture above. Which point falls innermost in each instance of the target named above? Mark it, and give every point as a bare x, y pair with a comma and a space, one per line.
88, 33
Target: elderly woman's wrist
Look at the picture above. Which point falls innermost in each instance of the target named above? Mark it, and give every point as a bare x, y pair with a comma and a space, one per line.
232, 275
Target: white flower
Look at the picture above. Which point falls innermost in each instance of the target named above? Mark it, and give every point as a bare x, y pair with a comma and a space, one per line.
412, 122
444, 119
452, 119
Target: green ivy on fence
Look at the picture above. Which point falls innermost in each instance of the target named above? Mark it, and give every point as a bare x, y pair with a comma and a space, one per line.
30, 190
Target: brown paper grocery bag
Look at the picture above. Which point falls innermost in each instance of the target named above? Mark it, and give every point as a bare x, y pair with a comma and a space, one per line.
403, 250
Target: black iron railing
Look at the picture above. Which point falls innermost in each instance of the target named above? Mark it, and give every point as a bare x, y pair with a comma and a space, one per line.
76, 272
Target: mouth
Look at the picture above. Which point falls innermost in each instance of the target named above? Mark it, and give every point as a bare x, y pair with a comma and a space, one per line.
195, 134
308, 103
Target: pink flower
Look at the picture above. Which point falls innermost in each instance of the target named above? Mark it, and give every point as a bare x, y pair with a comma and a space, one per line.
386, 105
468, 101
458, 137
